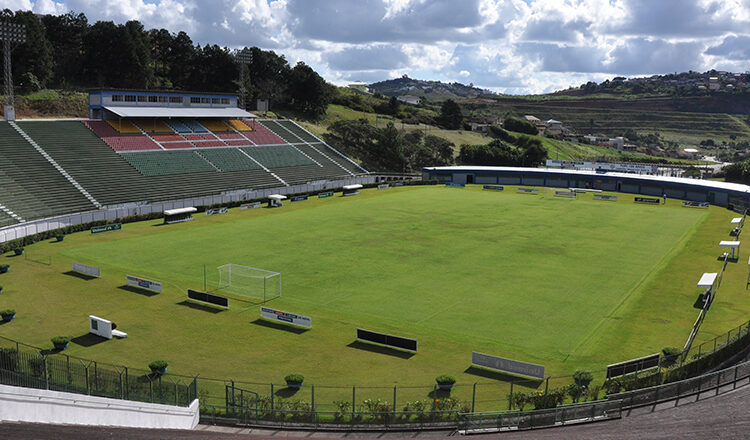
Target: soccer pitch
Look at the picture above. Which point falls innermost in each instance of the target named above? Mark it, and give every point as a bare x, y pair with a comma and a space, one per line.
567, 283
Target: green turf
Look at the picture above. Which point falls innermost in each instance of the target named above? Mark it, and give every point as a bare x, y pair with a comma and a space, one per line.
566, 283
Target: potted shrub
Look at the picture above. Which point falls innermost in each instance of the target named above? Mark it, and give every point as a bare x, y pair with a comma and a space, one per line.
7, 314
18, 251
4, 268
671, 354
445, 382
294, 380
583, 378
60, 237
60, 342
158, 367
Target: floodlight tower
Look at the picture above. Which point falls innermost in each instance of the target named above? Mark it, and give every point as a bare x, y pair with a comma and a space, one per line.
10, 34
243, 57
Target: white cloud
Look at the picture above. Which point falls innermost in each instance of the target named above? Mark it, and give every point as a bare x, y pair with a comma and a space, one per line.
514, 46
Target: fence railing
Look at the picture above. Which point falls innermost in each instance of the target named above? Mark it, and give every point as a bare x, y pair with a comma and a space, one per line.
26, 366
543, 418
726, 379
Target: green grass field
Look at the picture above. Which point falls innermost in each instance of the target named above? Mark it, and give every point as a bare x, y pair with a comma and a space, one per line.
566, 283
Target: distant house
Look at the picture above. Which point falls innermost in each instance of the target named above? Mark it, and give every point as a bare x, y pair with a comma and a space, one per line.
553, 127
410, 99
480, 127
537, 122
713, 83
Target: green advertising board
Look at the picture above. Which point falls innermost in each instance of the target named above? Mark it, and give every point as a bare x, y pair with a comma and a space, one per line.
325, 194
105, 228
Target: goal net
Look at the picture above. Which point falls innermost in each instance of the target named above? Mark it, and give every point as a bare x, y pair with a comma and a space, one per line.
250, 282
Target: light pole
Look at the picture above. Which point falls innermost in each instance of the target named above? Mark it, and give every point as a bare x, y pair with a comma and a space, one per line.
10, 34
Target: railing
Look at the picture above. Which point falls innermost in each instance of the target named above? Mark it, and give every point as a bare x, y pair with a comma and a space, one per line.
543, 418
716, 383
26, 366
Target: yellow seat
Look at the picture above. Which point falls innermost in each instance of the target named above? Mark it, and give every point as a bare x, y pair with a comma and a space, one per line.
216, 125
239, 125
154, 126
124, 127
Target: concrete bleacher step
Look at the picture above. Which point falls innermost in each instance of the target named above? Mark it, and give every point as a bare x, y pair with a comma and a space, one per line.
55, 164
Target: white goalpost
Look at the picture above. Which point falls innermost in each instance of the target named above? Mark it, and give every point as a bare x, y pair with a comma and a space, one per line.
250, 282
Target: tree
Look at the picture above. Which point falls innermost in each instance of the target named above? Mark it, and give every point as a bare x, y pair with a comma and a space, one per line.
390, 150
308, 91
393, 106
269, 75
519, 125
65, 33
450, 115
33, 57
355, 139
496, 153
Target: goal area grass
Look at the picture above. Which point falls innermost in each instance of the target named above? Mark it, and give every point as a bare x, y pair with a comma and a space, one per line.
567, 283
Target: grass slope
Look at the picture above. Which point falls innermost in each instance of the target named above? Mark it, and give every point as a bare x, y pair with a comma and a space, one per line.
566, 283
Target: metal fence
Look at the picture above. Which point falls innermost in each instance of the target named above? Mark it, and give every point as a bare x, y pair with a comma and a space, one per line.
26, 366
544, 418
716, 383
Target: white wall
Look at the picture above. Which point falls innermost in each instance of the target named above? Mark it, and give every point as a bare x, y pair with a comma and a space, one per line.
42, 406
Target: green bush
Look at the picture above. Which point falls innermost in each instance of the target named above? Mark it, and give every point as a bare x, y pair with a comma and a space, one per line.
7, 312
519, 400
297, 378
445, 379
4, 266
60, 340
583, 377
576, 392
158, 365
671, 351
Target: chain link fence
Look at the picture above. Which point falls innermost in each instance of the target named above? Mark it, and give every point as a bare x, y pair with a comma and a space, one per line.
27, 366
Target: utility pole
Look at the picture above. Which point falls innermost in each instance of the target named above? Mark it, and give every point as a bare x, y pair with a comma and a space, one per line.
243, 57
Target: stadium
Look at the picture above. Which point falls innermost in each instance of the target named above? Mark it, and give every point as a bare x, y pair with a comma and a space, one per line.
174, 259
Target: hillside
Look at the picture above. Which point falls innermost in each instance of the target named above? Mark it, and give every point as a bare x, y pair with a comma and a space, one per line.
433, 91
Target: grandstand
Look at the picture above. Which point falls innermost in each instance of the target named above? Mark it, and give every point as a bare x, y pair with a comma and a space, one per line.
162, 153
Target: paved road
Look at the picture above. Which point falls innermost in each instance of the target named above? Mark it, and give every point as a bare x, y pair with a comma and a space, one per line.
724, 417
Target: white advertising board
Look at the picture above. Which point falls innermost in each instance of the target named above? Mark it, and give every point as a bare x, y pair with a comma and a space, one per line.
86, 270
100, 327
143, 283
627, 167
289, 318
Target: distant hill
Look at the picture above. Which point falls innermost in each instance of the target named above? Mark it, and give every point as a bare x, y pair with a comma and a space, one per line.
429, 90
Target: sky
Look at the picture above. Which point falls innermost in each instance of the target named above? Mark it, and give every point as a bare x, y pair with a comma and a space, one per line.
507, 46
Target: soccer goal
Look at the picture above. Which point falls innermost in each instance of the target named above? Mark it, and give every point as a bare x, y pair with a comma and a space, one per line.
250, 282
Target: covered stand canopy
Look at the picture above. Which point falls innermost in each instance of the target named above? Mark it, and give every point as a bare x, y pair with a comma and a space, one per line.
173, 112
350, 190
178, 215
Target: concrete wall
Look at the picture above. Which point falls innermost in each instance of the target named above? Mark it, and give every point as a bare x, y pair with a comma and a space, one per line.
112, 212
42, 406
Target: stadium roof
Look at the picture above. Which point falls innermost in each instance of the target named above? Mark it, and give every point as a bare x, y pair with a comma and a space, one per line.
738, 187
179, 112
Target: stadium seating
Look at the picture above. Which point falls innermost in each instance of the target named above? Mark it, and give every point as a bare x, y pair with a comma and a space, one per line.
280, 131
153, 126
238, 143
111, 167
297, 131
239, 125
229, 135
124, 126
6, 220
340, 159
120, 142
215, 143
178, 126
159, 163
176, 145
168, 138
229, 159
215, 125
112, 180
31, 186
263, 136
278, 156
